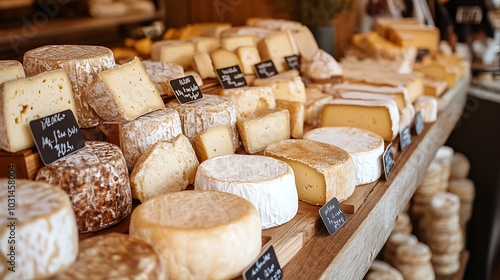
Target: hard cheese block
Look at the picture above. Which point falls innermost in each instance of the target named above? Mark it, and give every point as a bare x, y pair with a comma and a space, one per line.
161, 73
287, 88
26, 99
45, 233
125, 93
205, 44
296, 110
223, 58
266, 182
179, 52
322, 171
248, 56
215, 141
364, 147
306, 43
115, 256
10, 70
276, 47
97, 182
82, 63
250, 99
200, 234
233, 43
202, 63
164, 167
315, 101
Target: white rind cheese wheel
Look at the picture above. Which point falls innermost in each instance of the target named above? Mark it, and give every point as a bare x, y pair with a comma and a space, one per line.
200, 234
322, 171
266, 182
321, 66
10, 70
365, 148
115, 256
44, 232
97, 182
161, 73
82, 63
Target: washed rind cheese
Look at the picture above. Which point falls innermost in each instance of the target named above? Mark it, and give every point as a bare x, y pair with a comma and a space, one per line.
161, 73
97, 182
215, 141
322, 171
164, 167
45, 232
124, 93
82, 63
26, 99
200, 234
250, 99
266, 182
115, 256
11, 70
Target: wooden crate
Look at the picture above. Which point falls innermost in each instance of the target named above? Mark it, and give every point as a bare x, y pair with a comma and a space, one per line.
27, 163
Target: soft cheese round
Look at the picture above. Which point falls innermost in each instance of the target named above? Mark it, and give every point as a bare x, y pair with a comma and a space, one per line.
200, 234
38, 230
365, 148
266, 182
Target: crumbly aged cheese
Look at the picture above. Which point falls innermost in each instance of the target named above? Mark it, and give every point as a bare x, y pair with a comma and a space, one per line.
161, 73
315, 101
292, 89
215, 141
200, 234
321, 66
82, 63
124, 93
296, 110
264, 127
97, 182
179, 53
205, 44
43, 238
210, 111
266, 182
223, 58
276, 47
364, 147
202, 63
322, 171
378, 116
250, 99
25, 99
306, 43
115, 256
233, 43
10, 70
138, 135
428, 106
164, 167
248, 56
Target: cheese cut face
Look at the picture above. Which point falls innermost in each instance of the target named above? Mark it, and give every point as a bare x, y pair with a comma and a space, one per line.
306, 43
248, 56
269, 184
10, 70
97, 182
264, 127
400, 93
202, 63
292, 89
378, 116
223, 58
250, 99
434, 87
46, 237
321, 66
296, 110
178, 53
215, 141
364, 147
114, 256
205, 44
26, 99
164, 167
315, 101
161, 73
322, 171
200, 234
125, 93
233, 43
276, 47
82, 63
428, 106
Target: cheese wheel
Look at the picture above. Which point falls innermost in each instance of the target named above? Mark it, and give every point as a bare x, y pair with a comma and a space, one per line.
161, 73
445, 205
200, 234
266, 182
414, 254
42, 239
460, 166
97, 182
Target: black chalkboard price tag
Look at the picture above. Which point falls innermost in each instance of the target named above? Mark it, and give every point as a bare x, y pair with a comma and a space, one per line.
265, 69
186, 89
332, 215
266, 267
56, 136
388, 161
231, 77
293, 62
419, 123
404, 138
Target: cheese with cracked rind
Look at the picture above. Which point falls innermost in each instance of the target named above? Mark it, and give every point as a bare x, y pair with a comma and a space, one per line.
250, 99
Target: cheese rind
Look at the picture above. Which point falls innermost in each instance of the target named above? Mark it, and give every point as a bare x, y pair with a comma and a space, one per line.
321, 66
161, 73
296, 111
292, 89
233, 43
250, 99
10, 70
215, 141
266, 182
315, 101
428, 106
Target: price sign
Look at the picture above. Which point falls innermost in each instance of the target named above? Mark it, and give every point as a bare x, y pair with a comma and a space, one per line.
265, 69
388, 161
421, 53
56, 136
404, 138
293, 62
332, 215
186, 89
231, 77
266, 267
419, 123
469, 15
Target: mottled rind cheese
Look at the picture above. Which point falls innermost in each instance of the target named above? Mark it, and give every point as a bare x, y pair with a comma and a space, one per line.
322, 171
321, 66
200, 234
215, 141
124, 93
250, 99
115, 256
44, 231
161, 73
25, 99
97, 182
10, 70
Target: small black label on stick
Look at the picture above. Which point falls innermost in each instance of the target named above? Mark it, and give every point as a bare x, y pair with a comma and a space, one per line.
231, 77
186, 89
388, 161
266, 267
419, 123
332, 215
293, 62
404, 138
265, 69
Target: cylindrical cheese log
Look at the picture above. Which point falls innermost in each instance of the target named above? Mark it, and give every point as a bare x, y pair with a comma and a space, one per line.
38, 232
266, 182
200, 234
97, 182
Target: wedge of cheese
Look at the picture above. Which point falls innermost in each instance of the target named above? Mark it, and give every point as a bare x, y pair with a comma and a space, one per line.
315, 101
205, 44
233, 43
292, 89
296, 110
202, 63
213, 142
305, 42
179, 53
250, 99
222, 58
276, 47
248, 56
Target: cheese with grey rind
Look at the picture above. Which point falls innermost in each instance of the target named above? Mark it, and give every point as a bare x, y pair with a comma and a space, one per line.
161, 73
11, 70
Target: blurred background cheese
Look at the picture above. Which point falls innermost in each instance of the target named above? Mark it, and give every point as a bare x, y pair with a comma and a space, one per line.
10, 70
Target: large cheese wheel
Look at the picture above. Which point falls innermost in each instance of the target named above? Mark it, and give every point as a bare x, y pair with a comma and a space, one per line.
201, 234
38, 232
